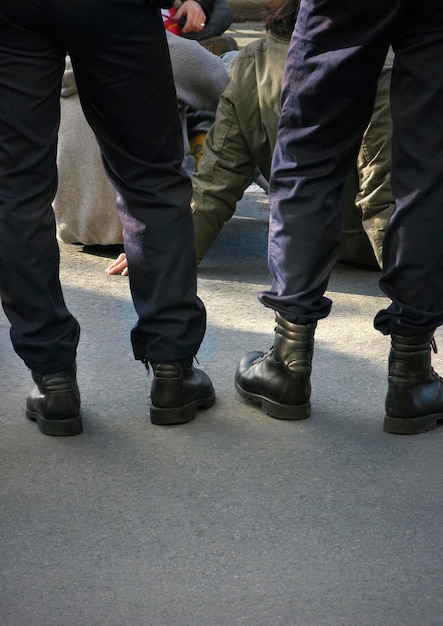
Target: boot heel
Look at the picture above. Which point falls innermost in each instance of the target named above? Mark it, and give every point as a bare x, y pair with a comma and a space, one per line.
414, 402
286, 411
54, 403
178, 391
179, 415
57, 428
411, 425
165, 417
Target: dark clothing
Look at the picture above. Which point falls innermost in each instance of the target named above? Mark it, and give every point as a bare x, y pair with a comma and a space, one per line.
207, 6
218, 19
124, 77
334, 61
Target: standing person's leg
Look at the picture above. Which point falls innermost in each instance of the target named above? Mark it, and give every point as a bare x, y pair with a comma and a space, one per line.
327, 101
413, 252
334, 61
124, 77
43, 332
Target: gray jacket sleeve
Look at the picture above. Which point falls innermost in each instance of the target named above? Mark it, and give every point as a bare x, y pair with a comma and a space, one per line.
200, 77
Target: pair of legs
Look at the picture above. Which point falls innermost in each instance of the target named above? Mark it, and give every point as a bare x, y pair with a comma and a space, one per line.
124, 78
335, 57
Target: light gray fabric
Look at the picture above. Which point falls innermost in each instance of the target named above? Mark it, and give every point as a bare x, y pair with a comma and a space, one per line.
200, 78
85, 205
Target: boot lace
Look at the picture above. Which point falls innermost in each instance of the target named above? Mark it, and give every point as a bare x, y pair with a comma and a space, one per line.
264, 355
434, 374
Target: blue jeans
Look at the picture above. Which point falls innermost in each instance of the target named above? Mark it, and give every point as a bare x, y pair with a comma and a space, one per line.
335, 57
124, 77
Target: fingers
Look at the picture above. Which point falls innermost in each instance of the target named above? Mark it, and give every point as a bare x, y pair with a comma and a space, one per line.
194, 14
119, 266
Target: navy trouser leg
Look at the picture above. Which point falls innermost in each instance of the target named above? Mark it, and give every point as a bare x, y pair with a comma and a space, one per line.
125, 83
332, 69
43, 332
122, 66
412, 249
334, 60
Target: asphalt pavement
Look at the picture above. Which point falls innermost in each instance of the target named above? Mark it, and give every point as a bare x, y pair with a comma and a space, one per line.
234, 518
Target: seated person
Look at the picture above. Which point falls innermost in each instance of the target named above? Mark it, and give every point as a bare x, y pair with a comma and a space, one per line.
243, 136
85, 203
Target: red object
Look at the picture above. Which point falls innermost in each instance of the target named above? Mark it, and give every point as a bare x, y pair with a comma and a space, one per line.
169, 23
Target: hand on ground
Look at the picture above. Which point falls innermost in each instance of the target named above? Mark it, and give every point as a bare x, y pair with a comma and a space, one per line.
119, 266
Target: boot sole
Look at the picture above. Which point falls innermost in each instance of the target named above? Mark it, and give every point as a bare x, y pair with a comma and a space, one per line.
181, 414
275, 409
411, 425
56, 428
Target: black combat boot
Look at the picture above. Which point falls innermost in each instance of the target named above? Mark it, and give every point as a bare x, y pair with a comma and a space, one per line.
280, 379
414, 403
178, 391
54, 403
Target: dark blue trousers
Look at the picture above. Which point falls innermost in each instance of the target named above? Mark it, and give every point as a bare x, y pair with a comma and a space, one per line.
124, 77
334, 60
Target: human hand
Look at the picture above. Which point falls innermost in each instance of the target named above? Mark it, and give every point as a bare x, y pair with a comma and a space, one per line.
119, 266
194, 15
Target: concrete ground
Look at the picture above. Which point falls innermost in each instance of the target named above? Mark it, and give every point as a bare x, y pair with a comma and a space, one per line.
234, 518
